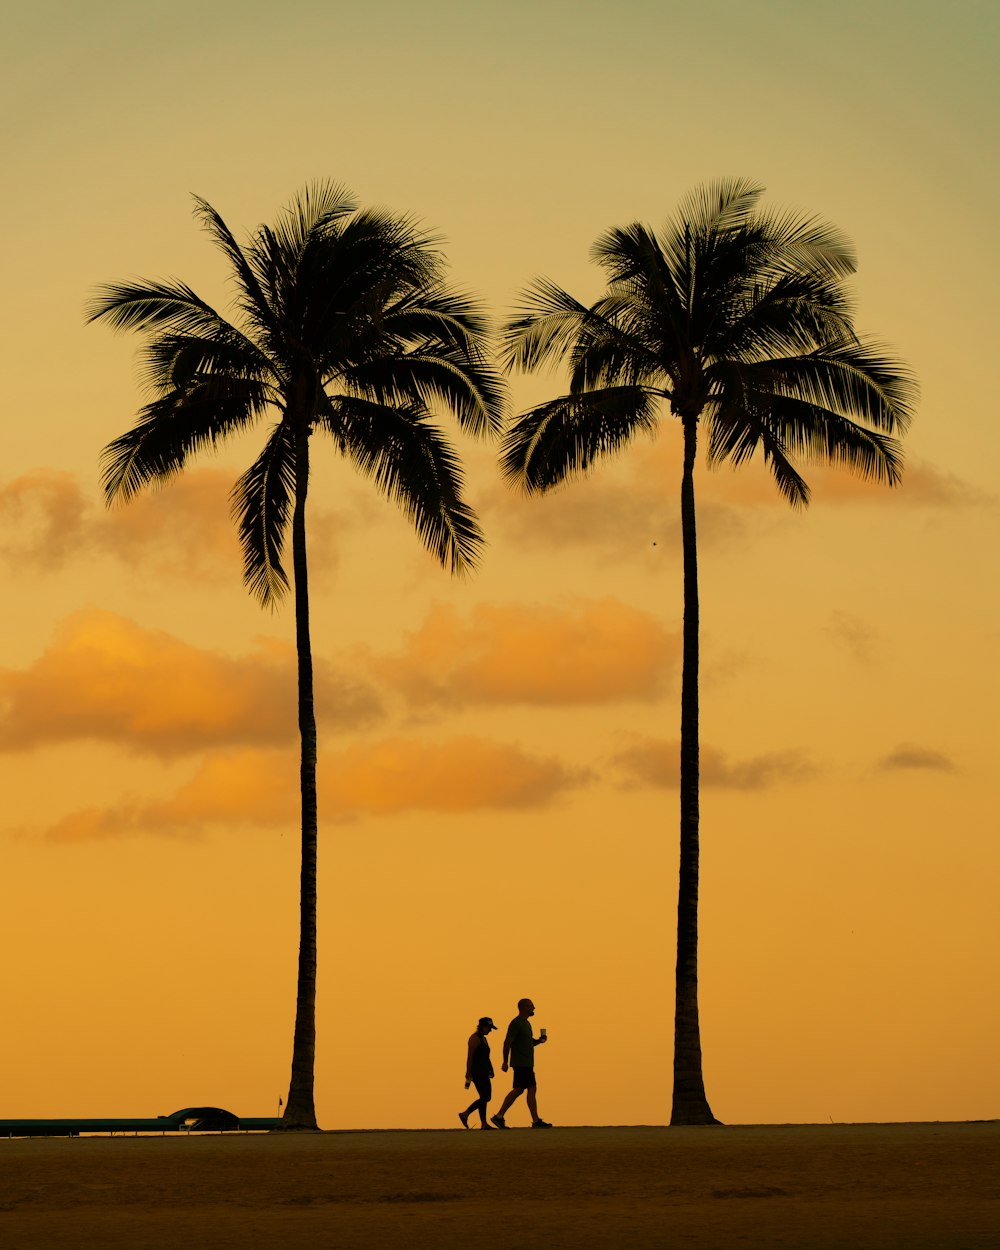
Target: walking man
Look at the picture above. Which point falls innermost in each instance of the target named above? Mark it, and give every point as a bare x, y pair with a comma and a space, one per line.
519, 1053
478, 1071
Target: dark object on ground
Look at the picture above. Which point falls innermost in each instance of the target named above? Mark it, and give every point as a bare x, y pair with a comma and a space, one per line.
189, 1120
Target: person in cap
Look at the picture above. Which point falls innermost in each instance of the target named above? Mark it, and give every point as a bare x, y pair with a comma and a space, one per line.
479, 1072
519, 1053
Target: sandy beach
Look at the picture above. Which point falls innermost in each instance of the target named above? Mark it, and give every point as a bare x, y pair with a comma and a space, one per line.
867, 1187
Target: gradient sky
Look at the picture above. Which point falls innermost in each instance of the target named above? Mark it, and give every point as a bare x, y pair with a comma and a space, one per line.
498, 767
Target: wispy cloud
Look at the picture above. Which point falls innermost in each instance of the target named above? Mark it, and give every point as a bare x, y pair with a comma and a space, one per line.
259, 788
42, 517
622, 512
105, 678
590, 651
909, 756
853, 633
182, 530
460, 774
655, 762
922, 486
611, 514
235, 789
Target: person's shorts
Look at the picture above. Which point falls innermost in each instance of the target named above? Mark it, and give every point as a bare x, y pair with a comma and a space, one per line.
483, 1087
524, 1078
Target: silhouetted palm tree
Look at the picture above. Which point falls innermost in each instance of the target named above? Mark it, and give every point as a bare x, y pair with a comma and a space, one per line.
736, 320
346, 328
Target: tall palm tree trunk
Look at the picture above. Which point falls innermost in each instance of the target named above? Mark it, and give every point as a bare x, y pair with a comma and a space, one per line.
300, 1111
690, 1106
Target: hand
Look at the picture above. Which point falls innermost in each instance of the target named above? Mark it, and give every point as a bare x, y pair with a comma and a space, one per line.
541, 1041
503, 1066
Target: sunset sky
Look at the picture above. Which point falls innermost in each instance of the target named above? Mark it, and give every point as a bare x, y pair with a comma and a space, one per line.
498, 780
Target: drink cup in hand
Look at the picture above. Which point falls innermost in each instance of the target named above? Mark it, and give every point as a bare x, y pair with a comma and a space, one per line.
543, 1034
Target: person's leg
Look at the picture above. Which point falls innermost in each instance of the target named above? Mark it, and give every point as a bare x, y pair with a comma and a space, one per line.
485, 1091
536, 1119
532, 1104
509, 1101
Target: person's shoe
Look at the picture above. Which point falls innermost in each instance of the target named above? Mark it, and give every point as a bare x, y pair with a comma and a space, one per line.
498, 1121
464, 1117
540, 1124
485, 1125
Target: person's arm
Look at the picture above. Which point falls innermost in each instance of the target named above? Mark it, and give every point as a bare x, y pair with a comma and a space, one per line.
506, 1052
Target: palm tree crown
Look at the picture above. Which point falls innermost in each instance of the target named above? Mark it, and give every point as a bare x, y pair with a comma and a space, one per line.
344, 327
737, 318
737, 321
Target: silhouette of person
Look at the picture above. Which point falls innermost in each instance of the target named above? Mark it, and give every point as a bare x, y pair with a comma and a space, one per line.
519, 1048
478, 1071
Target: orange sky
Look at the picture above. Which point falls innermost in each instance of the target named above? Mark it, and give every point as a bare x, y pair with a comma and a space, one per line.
497, 769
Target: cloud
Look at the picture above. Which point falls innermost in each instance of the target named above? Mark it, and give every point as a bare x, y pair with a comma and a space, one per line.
922, 486
853, 633
612, 514
463, 774
182, 529
593, 651
258, 788
909, 756
654, 762
105, 678
42, 516
627, 509
622, 508
246, 788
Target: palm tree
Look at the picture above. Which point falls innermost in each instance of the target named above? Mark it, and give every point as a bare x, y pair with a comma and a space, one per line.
737, 321
344, 327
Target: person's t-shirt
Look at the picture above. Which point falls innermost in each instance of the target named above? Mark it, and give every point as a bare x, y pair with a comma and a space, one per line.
522, 1050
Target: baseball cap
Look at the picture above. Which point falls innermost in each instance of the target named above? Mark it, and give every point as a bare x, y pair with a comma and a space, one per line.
487, 1021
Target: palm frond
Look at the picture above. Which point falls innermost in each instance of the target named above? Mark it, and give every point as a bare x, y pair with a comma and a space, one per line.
652, 280
146, 306
439, 314
255, 302
412, 465
311, 212
374, 251
544, 329
441, 317
716, 207
822, 436
434, 351
621, 344
799, 243
794, 313
552, 327
855, 379
565, 436
260, 503
173, 427
473, 392
736, 432
177, 361
336, 291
